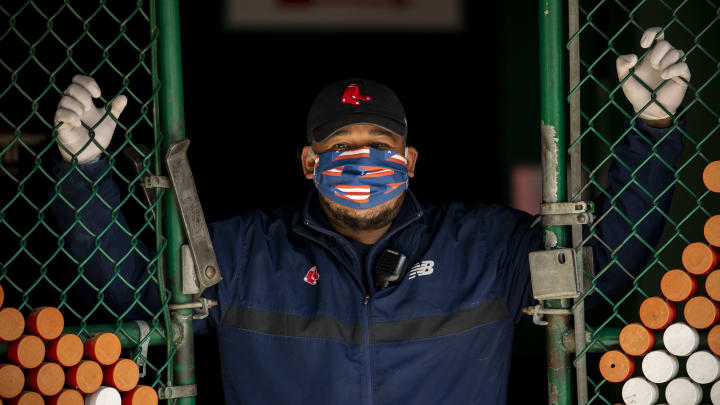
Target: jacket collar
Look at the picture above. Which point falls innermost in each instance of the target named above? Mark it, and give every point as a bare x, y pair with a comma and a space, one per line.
314, 217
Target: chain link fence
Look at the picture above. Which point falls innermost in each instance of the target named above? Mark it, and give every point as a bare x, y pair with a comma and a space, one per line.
43, 44
606, 30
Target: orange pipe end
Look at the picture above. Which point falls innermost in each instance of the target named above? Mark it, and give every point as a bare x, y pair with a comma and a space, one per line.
12, 381
140, 395
657, 313
698, 258
47, 379
123, 375
28, 398
711, 176
26, 352
615, 366
678, 285
636, 340
12, 324
103, 347
712, 230
85, 377
701, 312
67, 350
46, 322
67, 397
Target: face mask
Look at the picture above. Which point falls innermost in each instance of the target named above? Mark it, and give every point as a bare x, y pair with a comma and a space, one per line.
360, 178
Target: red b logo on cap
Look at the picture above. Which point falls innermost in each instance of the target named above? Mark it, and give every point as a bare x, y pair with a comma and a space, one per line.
352, 95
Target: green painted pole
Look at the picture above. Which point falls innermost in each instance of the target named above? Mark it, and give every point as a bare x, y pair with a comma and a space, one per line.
172, 127
553, 151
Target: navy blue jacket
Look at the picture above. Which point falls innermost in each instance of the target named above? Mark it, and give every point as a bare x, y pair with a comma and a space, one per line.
443, 335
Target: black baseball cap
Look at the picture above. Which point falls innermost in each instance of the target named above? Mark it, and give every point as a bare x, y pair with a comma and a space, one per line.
355, 101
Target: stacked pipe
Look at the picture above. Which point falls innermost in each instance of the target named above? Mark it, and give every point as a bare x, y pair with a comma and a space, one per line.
46, 366
681, 340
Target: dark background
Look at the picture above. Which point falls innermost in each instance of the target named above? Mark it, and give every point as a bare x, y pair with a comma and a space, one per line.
471, 99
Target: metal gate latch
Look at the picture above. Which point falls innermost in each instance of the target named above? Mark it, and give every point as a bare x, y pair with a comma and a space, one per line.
560, 273
207, 271
567, 213
553, 275
199, 264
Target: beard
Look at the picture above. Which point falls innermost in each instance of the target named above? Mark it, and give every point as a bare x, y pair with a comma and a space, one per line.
362, 220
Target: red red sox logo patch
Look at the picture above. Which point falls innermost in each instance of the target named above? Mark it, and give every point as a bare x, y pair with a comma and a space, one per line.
312, 276
352, 95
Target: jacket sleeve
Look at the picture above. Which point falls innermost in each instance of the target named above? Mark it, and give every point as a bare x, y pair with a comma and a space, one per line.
630, 216
117, 269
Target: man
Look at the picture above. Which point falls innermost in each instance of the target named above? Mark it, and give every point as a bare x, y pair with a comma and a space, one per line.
306, 315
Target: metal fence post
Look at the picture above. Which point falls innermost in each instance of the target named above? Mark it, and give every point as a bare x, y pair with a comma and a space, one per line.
172, 126
553, 147
575, 186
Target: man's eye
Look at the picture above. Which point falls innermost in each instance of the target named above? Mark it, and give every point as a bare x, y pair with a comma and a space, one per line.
340, 146
380, 146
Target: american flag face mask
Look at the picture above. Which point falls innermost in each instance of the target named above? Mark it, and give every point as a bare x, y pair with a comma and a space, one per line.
360, 178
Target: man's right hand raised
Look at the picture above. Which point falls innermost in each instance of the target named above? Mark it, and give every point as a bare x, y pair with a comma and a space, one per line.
76, 108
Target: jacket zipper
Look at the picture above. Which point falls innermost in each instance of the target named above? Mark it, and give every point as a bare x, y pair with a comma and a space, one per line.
366, 308
367, 349
368, 297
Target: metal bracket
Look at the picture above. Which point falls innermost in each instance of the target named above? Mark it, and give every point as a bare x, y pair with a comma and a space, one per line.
201, 305
567, 213
207, 270
190, 286
156, 182
177, 391
560, 273
538, 311
553, 275
142, 350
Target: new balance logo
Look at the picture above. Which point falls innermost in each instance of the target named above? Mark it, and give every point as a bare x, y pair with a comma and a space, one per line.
423, 268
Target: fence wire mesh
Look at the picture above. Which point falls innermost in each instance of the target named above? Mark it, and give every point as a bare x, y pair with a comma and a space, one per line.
608, 29
43, 44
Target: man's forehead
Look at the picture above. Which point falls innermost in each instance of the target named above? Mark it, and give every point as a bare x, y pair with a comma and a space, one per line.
363, 129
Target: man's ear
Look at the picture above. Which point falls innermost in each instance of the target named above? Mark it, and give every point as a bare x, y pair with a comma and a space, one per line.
308, 162
412, 155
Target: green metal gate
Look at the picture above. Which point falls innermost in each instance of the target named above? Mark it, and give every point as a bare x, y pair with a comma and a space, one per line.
131, 48
583, 38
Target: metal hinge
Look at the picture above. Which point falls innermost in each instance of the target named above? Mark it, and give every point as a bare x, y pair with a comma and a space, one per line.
567, 213
177, 391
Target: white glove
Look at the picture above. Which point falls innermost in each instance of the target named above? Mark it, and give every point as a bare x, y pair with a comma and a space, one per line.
659, 65
76, 106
